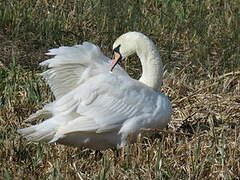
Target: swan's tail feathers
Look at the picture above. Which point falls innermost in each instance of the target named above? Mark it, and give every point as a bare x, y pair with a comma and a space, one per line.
35, 133
41, 114
41, 132
45, 131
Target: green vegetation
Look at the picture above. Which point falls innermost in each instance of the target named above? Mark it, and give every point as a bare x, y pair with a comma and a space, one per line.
200, 45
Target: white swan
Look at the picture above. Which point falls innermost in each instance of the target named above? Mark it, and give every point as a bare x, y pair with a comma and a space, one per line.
97, 108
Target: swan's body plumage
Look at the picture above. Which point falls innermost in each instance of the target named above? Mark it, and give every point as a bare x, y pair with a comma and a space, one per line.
96, 108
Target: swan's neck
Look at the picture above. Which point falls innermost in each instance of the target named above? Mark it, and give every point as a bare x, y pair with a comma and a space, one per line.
152, 68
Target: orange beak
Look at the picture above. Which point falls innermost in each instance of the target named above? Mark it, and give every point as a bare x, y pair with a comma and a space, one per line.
116, 57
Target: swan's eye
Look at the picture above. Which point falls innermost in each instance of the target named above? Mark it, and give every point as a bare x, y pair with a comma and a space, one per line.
117, 49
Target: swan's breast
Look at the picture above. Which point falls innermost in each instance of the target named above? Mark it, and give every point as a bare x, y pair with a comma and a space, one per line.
162, 113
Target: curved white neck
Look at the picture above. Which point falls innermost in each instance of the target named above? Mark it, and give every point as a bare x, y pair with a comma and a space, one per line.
152, 68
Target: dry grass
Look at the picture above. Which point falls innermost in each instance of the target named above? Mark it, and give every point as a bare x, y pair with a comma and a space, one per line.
199, 43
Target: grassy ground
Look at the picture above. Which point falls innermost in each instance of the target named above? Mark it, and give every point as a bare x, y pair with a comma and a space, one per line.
199, 44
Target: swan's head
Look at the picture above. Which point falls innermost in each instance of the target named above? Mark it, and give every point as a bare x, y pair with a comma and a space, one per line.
124, 46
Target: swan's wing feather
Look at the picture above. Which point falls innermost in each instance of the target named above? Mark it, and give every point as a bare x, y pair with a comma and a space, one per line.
71, 66
63, 79
85, 53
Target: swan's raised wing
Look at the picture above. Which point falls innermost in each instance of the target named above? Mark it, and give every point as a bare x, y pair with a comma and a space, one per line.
71, 66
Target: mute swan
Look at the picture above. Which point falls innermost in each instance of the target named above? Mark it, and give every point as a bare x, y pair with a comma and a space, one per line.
97, 105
